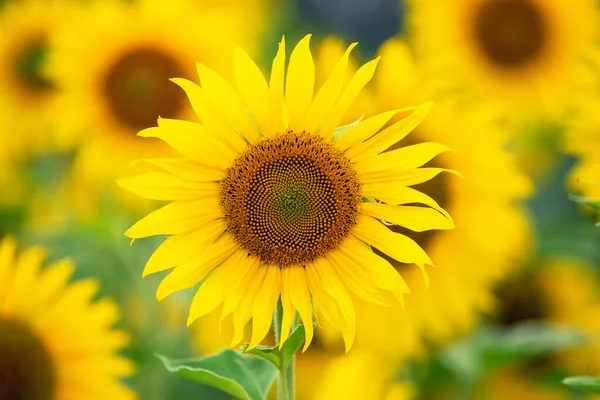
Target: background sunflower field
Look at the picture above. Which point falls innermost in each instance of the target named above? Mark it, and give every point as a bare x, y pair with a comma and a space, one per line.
513, 306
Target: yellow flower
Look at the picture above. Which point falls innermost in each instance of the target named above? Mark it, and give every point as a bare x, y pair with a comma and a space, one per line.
530, 57
112, 64
27, 95
270, 200
491, 226
55, 342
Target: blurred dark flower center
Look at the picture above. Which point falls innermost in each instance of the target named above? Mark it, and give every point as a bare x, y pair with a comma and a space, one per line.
26, 370
29, 63
522, 301
511, 33
290, 199
138, 90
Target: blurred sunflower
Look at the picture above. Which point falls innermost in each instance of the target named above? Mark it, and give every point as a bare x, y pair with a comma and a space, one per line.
274, 202
113, 68
55, 342
27, 94
491, 233
529, 56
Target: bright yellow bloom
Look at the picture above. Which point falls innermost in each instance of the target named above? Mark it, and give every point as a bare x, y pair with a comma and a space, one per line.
491, 232
113, 63
270, 200
530, 57
55, 341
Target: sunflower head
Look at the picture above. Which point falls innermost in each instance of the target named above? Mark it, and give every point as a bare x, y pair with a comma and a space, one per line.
271, 201
53, 336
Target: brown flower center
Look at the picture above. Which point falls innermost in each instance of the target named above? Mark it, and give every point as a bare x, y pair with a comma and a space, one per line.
290, 199
138, 90
511, 33
26, 370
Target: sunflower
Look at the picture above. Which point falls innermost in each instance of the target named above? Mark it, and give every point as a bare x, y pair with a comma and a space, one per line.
271, 201
55, 342
27, 94
116, 60
492, 230
530, 57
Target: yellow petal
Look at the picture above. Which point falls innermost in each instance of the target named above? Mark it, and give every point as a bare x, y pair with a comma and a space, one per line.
355, 278
253, 88
300, 82
356, 84
164, 186
383, 273
228, 102
397, 193
192, 271
26, 271
244, 269
278, 122
399, 247
406, 177
415, 218
365, 129
209, 295
300, 297
180, 248
193, 141
211, 116
177, 217
264, 304
54, 279
243, 312
328, 94
8, 246
332, 298
389, 136
186, 169
289, 312
408, 157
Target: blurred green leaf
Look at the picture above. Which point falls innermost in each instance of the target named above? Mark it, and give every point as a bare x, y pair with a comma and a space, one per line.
585, 383
248, 378
281, 358
489, 348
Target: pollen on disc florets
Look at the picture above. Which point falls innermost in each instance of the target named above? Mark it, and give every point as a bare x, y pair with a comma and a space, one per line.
290, 199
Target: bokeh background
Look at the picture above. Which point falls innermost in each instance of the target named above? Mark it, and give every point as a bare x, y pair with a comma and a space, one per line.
514, 302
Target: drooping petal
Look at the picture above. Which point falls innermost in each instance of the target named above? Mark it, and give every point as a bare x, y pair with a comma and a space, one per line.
406, 177
300, 82
176, 217
241, 315
244, 268
365, 129
356, 84
415, 218
278, 122
300, 297
328, 94
264, 304
164, 186
180, 248
399, 247
355, 278
331, 297
253, 88
228, 101
210, 293
192, 271
289, 312
389, 136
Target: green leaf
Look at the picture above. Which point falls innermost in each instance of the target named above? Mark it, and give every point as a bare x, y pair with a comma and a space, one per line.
248, 378
281, 358
585, 383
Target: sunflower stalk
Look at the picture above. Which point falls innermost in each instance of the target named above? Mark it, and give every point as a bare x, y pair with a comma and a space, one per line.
285, 389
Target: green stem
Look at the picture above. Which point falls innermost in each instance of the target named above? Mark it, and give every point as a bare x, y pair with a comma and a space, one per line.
285, 389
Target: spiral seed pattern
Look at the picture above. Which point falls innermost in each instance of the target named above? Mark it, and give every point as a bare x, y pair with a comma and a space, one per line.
290, 199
